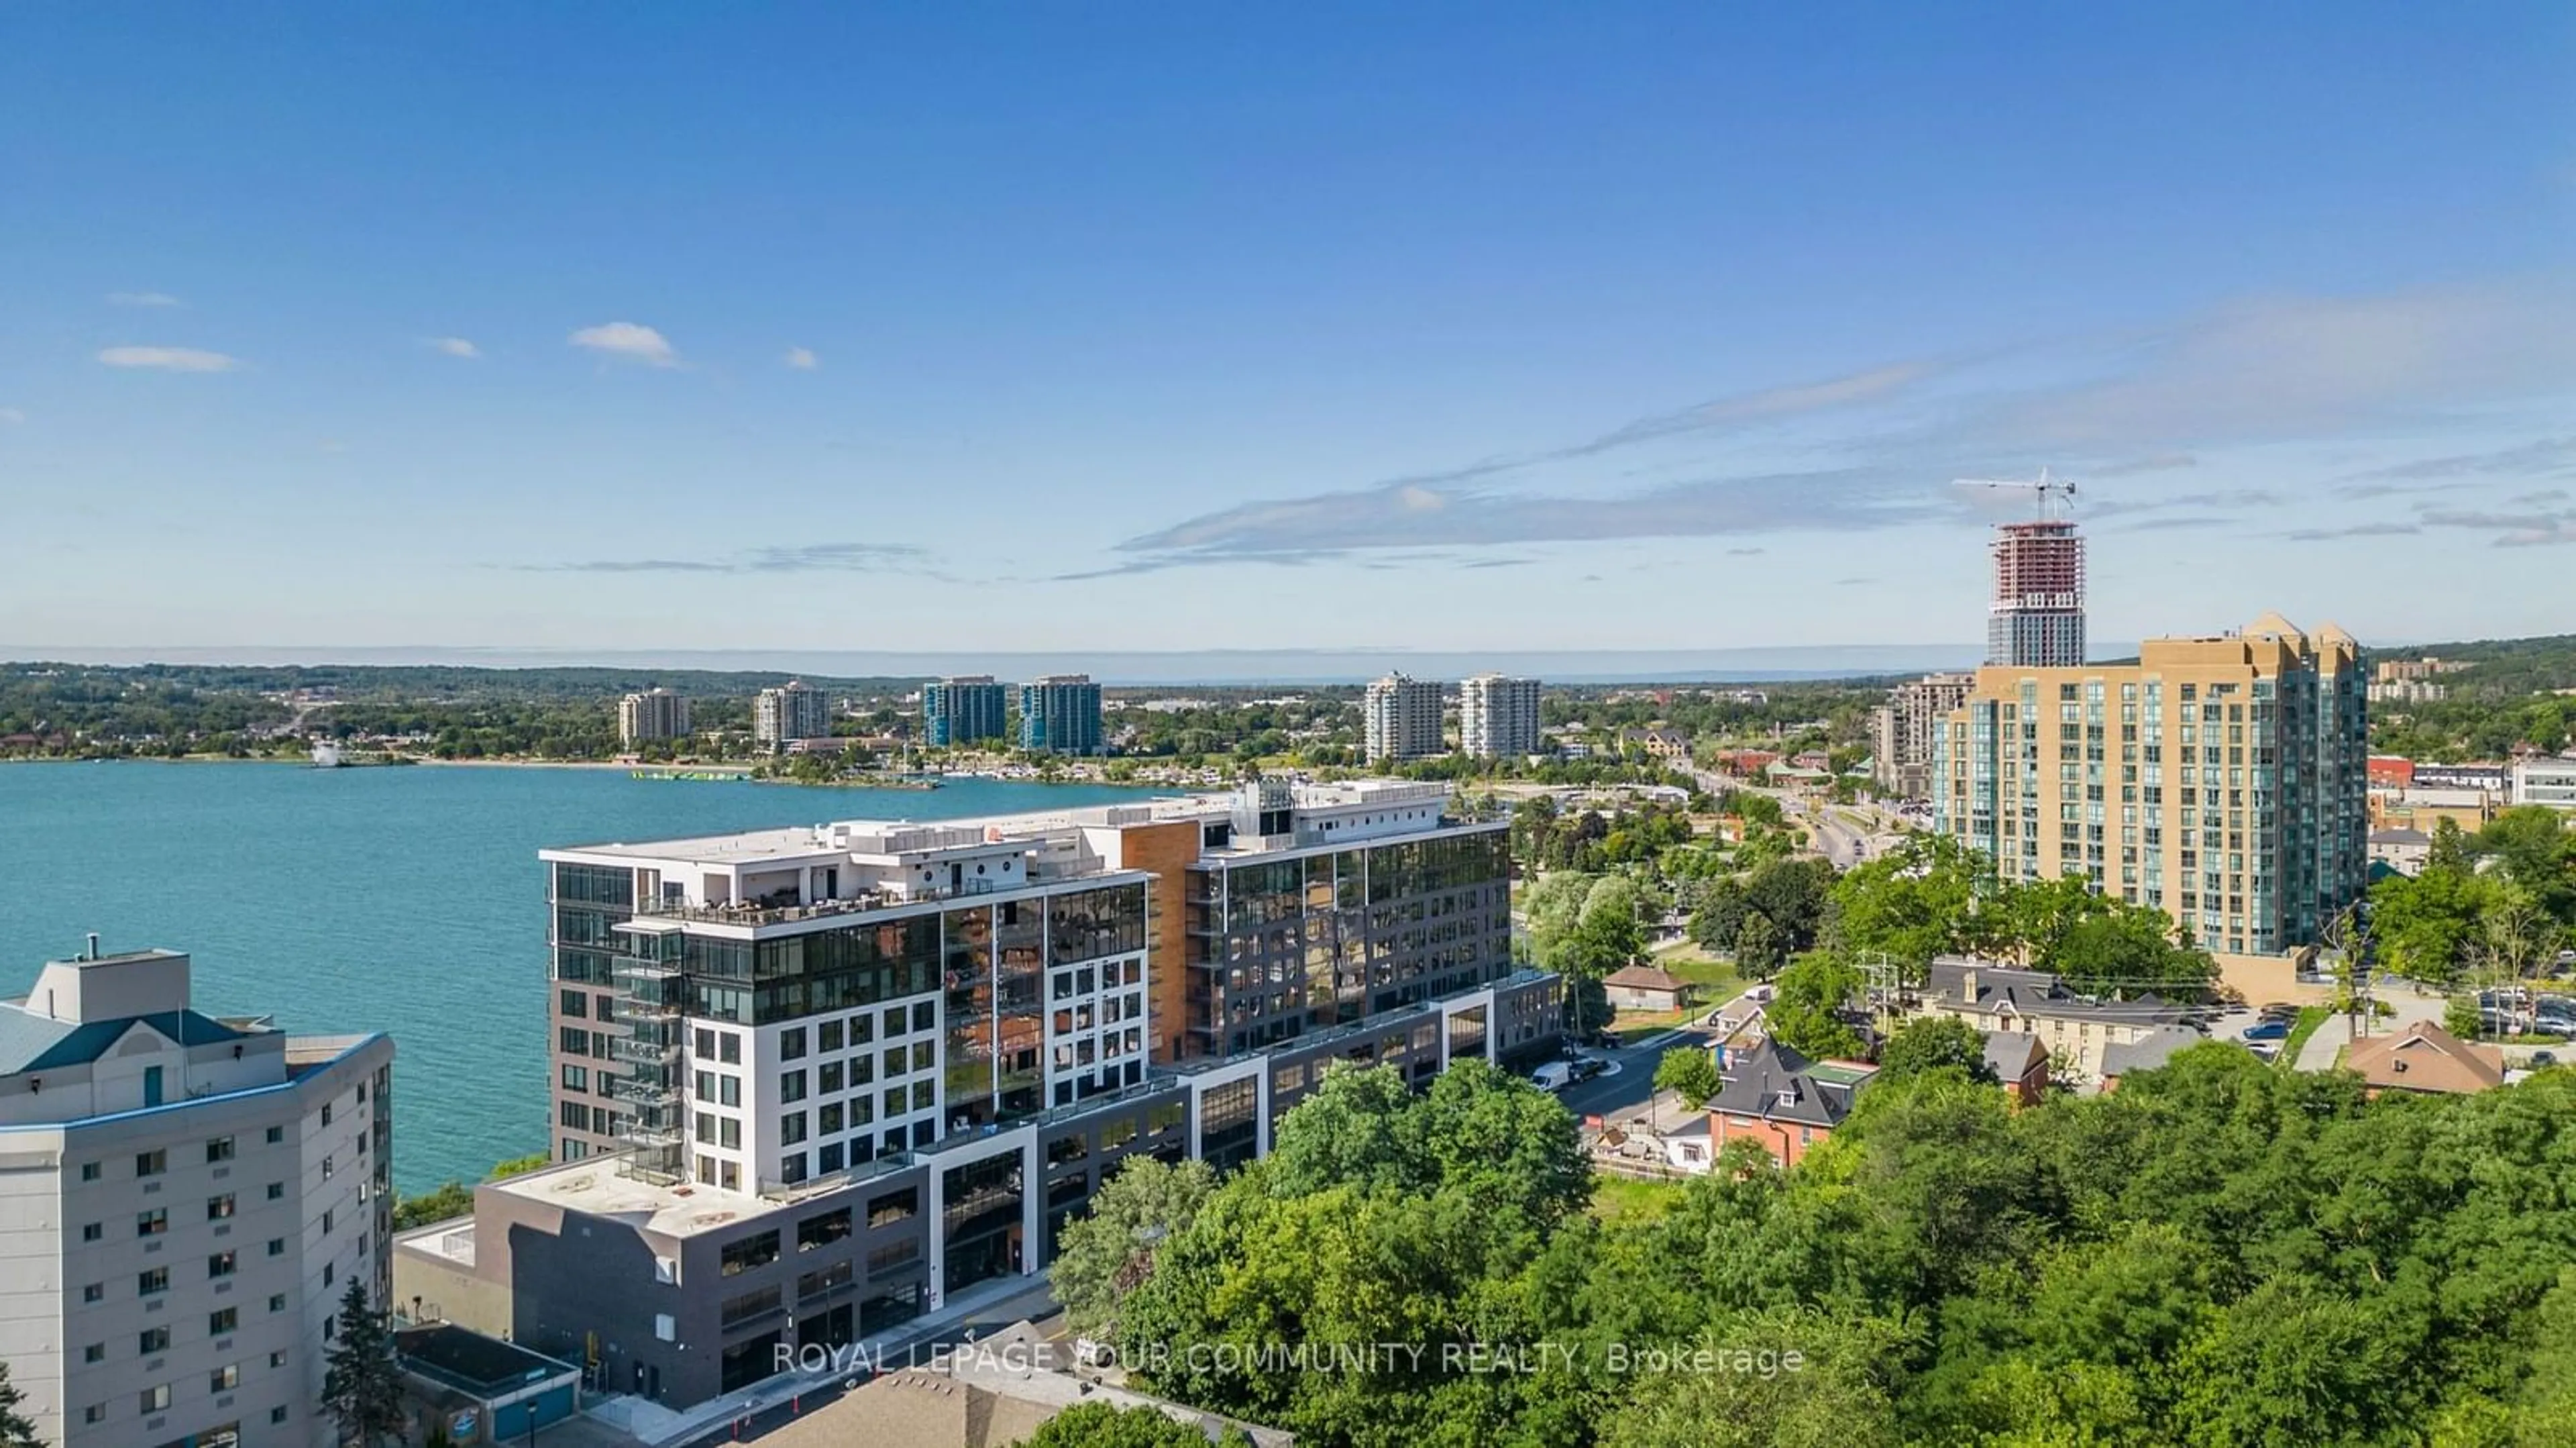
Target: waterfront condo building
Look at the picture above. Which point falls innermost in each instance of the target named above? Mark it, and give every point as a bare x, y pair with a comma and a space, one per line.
791, 711
1498, 717
2219, 779
1060, 714
653, 714
1400, 719
183, 1199
1902, 730
812, 1083
962, 711
2036, 617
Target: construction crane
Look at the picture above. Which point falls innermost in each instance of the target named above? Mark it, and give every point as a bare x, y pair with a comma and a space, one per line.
2062, 490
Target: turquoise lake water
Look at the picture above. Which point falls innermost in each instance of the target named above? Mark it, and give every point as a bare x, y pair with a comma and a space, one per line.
408, 901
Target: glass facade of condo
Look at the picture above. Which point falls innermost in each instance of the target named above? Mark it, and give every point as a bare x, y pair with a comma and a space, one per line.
958, 712
1060, 715
1280, 946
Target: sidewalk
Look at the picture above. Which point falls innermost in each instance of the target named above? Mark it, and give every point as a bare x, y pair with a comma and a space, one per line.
979, 1311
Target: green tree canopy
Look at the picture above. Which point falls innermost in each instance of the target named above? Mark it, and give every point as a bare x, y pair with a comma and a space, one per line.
1689, 1072
1931, 1043
1110, 1248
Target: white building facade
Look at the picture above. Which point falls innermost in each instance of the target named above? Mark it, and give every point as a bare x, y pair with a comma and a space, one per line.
1400, 718
183, 1200
1498, 716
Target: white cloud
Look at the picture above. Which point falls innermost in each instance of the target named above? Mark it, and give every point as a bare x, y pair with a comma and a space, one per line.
143, 299
456, 347
169, 359
11, 417
803, 359
630, 340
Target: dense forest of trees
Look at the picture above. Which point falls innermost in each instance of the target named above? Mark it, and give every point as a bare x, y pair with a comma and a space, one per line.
2217, 1254
2506, 698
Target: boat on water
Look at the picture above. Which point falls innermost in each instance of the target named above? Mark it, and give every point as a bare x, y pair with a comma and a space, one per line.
724, 776
326, 755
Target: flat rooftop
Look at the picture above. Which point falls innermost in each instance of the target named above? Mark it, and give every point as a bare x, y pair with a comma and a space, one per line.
593, 1186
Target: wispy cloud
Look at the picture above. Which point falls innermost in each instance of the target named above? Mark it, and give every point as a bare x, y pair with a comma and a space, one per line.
2545, 495
2278, 370
2541, 457
2513, 530
802, 359
2301, 367
454, 347
1401, 515
11, 417
802, 558
169, 359
631, 341
2185, 523
2353, 530
2229, 498
2160, 463
143, 299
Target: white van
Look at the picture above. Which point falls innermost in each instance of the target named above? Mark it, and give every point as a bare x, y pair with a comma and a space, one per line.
1554, 1076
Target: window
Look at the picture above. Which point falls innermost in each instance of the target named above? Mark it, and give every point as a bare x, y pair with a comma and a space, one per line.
326, 1222
155, 1339
827, 1078
277, 1414
94, 1413
89, 1171
152, 1283
791, 1087
219, 1149
154, 1400
729, 1048
893, 1207
93, 1231
326, 1168
151, 1163
750, 1254
224, 1379
277, 1191
326, 1113
827, 1036
791, 1044
277, 1246
94, 1292
277, 1303
576, 1003
223, 1321
822, 1231
276, 1134
330, 1270
923, 1016
218, 1208
576, 1078
221, 1265
729, 1134
277, 1359
94, 1353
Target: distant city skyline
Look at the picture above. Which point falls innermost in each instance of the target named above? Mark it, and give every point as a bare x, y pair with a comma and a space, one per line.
1501, 333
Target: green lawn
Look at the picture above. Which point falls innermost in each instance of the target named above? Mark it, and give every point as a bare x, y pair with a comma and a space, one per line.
1717, 980
1634, 1026
2310, 1017
1632, 1199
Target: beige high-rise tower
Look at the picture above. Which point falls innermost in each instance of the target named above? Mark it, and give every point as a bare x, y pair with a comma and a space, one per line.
2219, 779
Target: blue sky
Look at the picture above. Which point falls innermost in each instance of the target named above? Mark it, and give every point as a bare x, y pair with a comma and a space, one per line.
1486, 326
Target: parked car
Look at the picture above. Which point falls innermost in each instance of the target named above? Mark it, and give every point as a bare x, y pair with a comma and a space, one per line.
1584, 1068
1554, 1076
2274, 1029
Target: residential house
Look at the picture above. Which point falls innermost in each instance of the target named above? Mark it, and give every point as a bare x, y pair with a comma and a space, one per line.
2020, 1061
2403, 852
1777, 1097
1658, 741
2422, 1057
1646, 988
2154, 1049
2077, 1029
